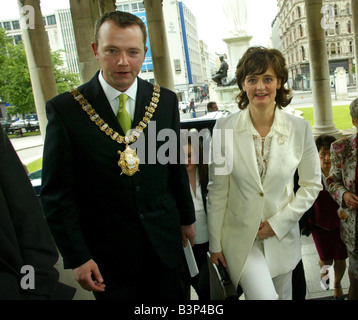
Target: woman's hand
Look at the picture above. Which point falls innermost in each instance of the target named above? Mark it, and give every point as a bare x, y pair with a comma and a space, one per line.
216, 256
265, 231
351, 200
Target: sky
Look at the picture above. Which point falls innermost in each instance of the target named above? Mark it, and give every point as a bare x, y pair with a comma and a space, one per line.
210, 19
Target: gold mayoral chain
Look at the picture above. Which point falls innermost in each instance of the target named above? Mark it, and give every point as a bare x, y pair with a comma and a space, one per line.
129, 160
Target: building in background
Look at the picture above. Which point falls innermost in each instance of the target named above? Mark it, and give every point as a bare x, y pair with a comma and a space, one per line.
59, 31
189, 58
192, 64
293, 40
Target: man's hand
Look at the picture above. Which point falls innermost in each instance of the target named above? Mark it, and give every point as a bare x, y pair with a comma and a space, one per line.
89, 277
188, 232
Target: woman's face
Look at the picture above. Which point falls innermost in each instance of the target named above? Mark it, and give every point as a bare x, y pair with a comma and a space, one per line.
261, 89
325, 158
191, 158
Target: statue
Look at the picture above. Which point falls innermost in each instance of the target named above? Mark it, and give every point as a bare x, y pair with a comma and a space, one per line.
220, 76
235, 11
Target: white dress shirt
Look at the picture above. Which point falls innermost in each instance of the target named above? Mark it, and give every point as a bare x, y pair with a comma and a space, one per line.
200, 224
112, 95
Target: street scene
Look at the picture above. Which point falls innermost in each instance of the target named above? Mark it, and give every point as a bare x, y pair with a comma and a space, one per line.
216, 59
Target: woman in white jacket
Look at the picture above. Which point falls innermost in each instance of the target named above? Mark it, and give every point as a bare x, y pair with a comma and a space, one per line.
253, 212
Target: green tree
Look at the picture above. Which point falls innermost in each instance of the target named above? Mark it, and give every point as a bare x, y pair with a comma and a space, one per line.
15, 82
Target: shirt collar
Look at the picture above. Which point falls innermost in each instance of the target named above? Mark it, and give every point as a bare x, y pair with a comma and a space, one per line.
279, 124
112, 93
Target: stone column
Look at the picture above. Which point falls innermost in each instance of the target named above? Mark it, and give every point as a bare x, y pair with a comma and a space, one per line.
319, 68
355, 33
84, 15
38, 57
159, 44
106, 6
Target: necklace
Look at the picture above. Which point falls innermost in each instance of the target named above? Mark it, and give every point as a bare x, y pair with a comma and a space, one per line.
129, 160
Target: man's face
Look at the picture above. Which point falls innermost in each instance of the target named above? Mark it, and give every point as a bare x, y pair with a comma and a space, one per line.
121, 53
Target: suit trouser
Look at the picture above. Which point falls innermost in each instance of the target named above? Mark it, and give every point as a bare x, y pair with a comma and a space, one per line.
256, 280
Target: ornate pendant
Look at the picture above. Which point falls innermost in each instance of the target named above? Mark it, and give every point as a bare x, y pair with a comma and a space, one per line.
128, 161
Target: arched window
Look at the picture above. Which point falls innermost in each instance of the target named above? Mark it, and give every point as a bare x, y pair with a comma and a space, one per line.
348, 8
299, 11
303, 53
337, 28
301, 30
333, 49
336, 12
349, 26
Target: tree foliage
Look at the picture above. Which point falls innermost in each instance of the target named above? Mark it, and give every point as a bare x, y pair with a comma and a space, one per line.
15, 82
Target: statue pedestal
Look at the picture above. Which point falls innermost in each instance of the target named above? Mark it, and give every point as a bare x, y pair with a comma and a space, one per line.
340, 75
225, 97
236, 47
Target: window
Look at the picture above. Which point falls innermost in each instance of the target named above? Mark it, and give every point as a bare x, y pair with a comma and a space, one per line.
15, 25
123, 7
348, 8
299, 11
17, 38
177, 66
7, 25
335, 10
349, 26
301, 30
337, 27
333, 48
51, 20
303, 53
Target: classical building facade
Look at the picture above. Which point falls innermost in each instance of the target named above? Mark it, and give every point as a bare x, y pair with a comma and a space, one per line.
337, 22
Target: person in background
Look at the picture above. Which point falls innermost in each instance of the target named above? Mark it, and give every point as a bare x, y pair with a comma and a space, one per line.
119, 216
324, 223
253, 213
26, 243
212, 106
342, 185
197, 169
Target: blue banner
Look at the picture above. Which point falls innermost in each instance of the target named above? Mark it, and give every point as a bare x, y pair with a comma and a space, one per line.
148, 63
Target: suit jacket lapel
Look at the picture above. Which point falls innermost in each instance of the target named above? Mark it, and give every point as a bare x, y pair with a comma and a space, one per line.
245, 142
97, 98
144, 94
278, 150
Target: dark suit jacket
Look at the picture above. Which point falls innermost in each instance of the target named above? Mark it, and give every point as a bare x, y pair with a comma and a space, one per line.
93, 210
25, 238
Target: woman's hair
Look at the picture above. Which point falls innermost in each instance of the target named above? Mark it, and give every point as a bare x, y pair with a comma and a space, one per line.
353, 109
198, 149
256, 61
324, 141
122, 20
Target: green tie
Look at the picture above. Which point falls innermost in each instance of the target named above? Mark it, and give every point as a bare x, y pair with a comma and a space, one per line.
123, 116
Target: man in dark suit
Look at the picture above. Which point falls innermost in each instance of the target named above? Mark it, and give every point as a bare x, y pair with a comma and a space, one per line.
221, 74
27, 251
120, 226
